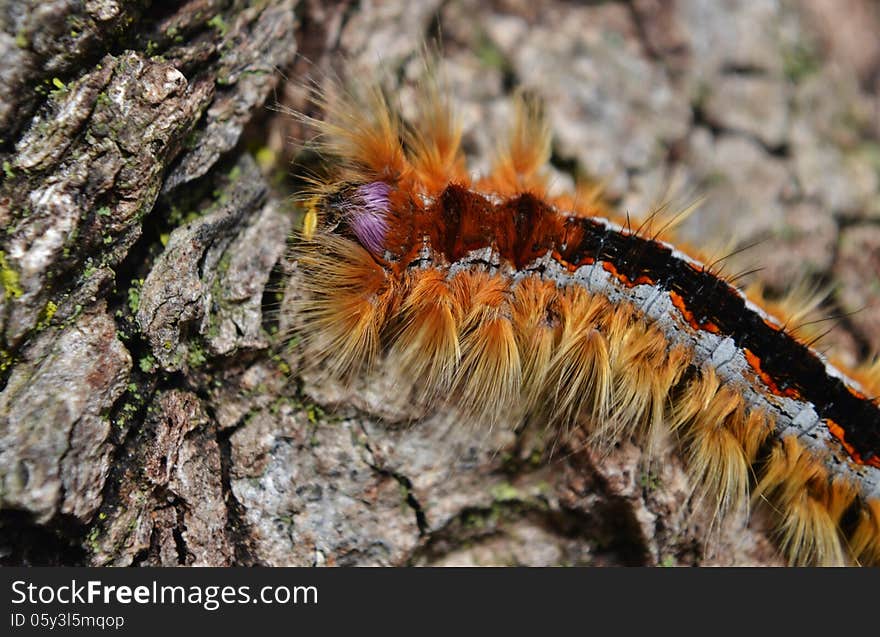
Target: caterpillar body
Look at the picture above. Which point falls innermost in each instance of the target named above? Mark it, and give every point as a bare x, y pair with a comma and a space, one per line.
517, 306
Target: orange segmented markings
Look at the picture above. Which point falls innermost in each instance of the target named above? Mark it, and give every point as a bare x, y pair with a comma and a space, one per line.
755, 362
709, 326
855, 392
838, 432
557, 256
613, 271
679, 303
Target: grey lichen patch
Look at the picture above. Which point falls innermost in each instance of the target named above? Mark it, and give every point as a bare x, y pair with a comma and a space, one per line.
441, 459
310, 495
50, 40
172, 487
83, 150
239, 289
54, 429
53, 131
15, 71
210, 278
239, 393
245, 75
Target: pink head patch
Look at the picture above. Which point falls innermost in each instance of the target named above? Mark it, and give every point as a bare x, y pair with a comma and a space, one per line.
368, 216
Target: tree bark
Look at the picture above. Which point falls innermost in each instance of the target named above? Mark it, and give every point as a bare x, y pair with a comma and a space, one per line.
139, 237
150, 414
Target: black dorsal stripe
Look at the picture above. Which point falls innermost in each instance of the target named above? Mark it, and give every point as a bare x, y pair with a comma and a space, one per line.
787, 361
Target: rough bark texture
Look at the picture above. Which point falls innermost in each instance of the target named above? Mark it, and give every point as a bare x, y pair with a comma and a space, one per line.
148, 414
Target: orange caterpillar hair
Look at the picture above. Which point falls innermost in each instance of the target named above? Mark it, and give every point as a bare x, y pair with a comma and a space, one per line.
513, 305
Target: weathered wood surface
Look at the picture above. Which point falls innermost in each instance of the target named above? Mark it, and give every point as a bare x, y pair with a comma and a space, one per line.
147, 414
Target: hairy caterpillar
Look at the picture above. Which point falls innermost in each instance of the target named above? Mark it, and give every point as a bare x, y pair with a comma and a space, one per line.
513, 305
